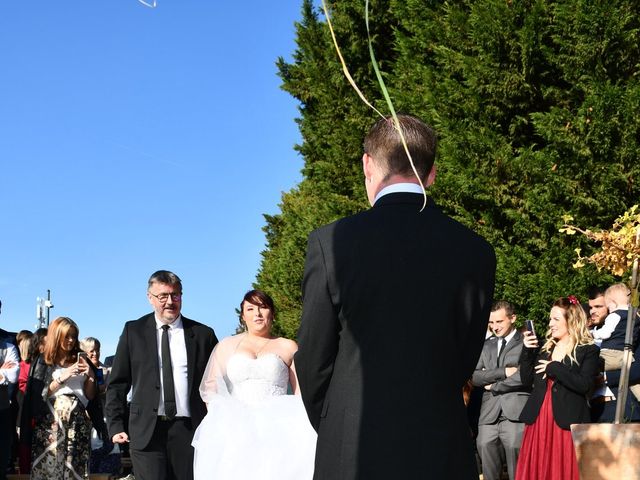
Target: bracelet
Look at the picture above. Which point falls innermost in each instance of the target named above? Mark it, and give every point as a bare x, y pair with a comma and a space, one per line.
56, 376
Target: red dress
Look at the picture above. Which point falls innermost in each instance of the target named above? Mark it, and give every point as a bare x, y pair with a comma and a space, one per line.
547, 450
23, 376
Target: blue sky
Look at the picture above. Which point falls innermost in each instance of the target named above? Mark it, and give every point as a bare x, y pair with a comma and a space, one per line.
136, 139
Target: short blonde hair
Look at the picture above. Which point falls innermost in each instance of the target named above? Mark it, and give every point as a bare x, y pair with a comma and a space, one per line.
618, 294
89, 343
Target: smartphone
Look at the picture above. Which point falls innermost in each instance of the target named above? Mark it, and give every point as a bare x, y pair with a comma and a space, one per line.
529, 326
82, 354
99, 376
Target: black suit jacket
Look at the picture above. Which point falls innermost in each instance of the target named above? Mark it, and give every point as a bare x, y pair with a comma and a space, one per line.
136, 365
573, 384
395, 311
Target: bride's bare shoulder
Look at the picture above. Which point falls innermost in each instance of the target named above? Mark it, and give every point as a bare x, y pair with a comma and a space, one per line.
289, 347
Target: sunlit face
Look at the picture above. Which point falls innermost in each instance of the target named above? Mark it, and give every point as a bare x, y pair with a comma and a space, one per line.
70, 340
166, 309
500, 323
558, 324
94, 356
257, 318
597, 311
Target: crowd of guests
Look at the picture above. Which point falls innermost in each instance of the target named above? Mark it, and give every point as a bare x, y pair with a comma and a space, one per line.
528, 390
52, 388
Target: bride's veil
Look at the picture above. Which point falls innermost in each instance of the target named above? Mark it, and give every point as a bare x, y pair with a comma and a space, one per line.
214, 380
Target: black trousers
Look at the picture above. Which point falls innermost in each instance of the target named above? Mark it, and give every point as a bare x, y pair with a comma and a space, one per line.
169, 455
6, 435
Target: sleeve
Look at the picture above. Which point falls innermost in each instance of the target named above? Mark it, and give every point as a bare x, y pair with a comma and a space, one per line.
10, 374
318, 337
473, 308
213, 380
512, 383
527, 363
583, 380
486, 376
119, 385
607, 329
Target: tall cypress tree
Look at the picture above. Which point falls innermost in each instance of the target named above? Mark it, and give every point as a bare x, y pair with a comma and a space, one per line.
535, 106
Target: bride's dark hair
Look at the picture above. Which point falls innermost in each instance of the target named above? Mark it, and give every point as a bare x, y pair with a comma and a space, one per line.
260, 298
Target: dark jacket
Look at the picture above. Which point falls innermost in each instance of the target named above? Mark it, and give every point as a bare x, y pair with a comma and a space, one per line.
136, 366
35, 397
572, 385
384, 392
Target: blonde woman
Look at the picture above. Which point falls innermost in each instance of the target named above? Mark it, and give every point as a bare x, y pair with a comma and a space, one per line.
562, 374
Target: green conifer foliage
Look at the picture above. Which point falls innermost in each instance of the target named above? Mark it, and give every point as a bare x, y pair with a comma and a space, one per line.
536, 107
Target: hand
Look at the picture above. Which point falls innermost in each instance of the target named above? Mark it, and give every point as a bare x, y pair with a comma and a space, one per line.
121, 437
68, 372
542, 367
7, 365
83, 367
530, 340
488, 387
508, 371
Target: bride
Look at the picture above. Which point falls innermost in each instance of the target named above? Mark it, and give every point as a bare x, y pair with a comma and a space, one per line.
253, 429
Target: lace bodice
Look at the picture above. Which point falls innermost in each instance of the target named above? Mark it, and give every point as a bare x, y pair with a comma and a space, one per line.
250, 380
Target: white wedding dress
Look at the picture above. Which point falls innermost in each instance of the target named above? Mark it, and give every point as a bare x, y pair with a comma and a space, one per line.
253, 430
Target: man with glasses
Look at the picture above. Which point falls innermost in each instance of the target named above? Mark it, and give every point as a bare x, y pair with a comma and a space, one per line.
161, 357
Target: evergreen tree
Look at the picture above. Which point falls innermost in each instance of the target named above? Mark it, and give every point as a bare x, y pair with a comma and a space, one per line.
535, 106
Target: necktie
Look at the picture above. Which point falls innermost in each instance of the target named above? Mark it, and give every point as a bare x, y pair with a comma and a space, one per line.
503, 343
167, 376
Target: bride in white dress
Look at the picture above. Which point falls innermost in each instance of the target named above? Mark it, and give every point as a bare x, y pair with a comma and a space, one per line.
253, 429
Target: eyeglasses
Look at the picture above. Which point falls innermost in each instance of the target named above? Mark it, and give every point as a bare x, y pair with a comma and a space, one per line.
163, 297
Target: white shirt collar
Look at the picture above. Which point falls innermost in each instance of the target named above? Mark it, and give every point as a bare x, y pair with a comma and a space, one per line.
511, 335
399, 187
177, 323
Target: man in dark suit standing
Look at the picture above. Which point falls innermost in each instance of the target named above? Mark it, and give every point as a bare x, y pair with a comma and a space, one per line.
395, 307
162, 356
499, 427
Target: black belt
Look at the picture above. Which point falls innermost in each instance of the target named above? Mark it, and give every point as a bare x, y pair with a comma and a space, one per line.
164, 418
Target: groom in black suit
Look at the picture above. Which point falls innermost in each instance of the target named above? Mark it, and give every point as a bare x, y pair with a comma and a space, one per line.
162, 357
396, 303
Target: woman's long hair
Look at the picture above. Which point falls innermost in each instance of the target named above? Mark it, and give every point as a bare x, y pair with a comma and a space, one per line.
56, 335
576, 326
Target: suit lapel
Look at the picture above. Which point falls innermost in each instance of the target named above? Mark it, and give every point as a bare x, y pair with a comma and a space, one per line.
493, 353
151, 339
190, 343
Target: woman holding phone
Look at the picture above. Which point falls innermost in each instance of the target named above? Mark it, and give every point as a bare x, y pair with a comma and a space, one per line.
563, 372
58, 392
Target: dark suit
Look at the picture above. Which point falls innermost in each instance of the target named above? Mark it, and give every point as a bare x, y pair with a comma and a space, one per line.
572, 385
395, 311
499, 427
136, 366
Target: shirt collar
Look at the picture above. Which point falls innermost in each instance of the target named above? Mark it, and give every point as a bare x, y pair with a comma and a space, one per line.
177, 323
511, 335
399, 187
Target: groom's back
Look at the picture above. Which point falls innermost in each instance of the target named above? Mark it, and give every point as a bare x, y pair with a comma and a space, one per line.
411, 292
